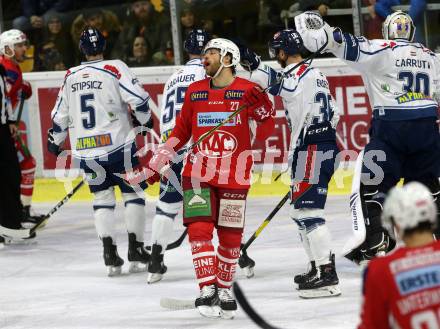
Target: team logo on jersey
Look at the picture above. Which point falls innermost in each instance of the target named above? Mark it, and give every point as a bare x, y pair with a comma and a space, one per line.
220, 144
234, 94
199, 96
411, 97
112, 69
212, 119
91, 142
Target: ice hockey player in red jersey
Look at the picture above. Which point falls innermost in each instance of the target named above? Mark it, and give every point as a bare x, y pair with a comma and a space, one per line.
216, 176
402, 290
13, 45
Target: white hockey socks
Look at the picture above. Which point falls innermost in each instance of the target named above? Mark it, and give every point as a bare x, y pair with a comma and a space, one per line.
105, 221
320, 240
161, 231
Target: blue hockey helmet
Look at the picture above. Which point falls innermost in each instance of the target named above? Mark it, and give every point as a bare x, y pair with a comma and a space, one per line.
91, 42
196, 41
288, 40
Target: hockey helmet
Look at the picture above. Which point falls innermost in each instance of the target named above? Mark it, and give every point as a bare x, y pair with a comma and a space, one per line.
9, 39
288, 40
398, 25
408, 206
196, 41
225, 46
91, 42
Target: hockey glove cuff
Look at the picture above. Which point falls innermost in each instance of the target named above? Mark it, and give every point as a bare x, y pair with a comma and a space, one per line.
26, 89
259, 105
51, 146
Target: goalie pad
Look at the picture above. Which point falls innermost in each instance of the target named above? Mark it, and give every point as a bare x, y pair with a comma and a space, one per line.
357, 215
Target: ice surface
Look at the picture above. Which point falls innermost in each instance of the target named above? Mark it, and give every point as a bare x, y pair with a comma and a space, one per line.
61, 282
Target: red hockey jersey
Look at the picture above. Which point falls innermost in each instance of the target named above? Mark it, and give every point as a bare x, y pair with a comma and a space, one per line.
225, 157
14, 79
402, 290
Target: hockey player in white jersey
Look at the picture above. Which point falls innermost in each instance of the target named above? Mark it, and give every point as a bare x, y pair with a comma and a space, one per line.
402, 81
170, 199
92, 105
312, 118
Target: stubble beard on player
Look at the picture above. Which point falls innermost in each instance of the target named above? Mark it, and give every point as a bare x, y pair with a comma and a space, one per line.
212, 69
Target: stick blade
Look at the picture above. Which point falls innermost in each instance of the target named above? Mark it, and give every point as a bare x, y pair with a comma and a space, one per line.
175, 304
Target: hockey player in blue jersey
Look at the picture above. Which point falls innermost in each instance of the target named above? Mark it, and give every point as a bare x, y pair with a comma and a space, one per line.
170, 199
92, 105
312, 118
402, 81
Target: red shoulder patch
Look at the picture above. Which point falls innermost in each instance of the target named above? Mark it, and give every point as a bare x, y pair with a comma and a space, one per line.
113, 70
301, 70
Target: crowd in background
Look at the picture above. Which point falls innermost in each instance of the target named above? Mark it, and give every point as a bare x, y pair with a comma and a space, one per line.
139, 32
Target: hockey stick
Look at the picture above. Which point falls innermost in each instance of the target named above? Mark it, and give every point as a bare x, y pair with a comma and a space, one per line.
265, 222
175, 244
26, 233
241, 298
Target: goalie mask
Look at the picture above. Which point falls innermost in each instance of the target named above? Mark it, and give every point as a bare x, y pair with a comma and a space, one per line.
398, 25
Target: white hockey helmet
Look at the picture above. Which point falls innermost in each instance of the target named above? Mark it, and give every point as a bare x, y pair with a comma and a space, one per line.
225, 46
398, 25
408, 206
9, 39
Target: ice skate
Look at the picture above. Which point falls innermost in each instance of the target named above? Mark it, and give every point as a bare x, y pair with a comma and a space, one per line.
138, 256
111, 258
31, 219
324, 284
247, 264
156, 267
228, 304
207, 303
25, 241
306, 276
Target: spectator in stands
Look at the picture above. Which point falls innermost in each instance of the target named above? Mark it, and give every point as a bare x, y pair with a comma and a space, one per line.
34, 14
103, 20
50, 59
187, 21
56, 37
140, 53
143, 20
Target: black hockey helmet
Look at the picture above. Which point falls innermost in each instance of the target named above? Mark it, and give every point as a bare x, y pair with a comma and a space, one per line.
288, 40
196, 41
91, 42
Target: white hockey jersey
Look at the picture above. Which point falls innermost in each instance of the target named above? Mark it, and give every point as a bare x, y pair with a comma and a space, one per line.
306, 97
402, 78
93, 104
174, 94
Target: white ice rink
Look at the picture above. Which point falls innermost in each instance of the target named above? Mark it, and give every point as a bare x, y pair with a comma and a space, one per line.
61, 281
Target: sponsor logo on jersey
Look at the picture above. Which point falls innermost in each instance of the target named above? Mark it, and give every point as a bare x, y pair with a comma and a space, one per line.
220, 144
234, 94
212, 119
91, 142
418, 279
199, 96
411, 97
165, 135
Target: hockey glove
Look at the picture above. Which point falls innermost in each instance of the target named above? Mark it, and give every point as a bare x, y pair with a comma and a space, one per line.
138, 175
144, 127
26, 89
51, 146
259, 105
249, 59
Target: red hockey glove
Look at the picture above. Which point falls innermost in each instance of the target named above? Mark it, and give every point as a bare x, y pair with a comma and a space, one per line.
26, 89
259, 105
163, 155
139, 175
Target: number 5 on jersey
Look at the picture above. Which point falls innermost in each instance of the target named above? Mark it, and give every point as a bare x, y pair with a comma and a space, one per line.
88, 111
